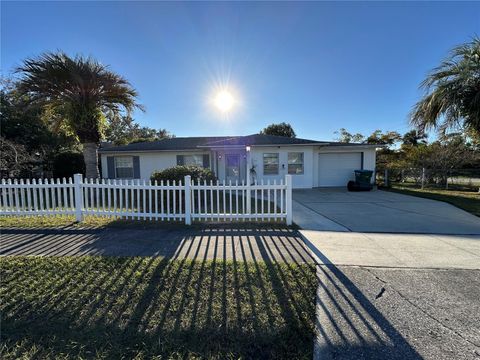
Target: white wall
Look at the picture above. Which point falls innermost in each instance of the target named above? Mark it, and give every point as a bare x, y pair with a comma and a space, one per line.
304, 180
149, 162
369, 159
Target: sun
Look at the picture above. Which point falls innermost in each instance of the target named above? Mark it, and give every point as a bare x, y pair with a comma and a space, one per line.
224, 101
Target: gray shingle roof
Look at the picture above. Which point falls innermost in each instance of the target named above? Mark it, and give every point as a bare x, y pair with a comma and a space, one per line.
197, 143
177, 143
259, 139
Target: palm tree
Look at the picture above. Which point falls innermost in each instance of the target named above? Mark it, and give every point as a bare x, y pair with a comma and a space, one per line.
80, 91
452, 92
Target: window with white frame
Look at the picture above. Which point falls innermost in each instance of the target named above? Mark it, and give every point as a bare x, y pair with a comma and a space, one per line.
295, 163
124, 167
193, 160
270, 163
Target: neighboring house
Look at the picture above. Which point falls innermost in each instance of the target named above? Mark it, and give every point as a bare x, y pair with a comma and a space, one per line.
311, 163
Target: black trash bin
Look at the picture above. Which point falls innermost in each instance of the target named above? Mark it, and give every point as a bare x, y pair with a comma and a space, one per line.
362, 181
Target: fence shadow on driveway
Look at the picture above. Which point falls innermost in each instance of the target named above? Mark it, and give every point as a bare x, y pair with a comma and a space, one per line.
348, 324
260, 303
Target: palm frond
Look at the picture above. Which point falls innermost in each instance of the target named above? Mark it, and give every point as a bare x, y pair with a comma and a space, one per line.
79, 84
452, 91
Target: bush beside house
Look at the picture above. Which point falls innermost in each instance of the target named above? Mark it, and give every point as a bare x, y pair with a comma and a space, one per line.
178, 173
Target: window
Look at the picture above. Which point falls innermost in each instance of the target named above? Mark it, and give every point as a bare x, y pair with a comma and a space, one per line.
295, 163
190, 160
124, 167
270, 163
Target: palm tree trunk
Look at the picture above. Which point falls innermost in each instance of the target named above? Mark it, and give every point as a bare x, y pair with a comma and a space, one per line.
90, 157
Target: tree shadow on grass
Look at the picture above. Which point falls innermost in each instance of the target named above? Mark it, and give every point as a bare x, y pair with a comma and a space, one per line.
222, 292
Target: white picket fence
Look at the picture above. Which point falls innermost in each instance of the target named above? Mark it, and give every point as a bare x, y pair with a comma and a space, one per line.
138, 199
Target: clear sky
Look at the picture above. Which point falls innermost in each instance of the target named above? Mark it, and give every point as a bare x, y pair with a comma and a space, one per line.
320, 66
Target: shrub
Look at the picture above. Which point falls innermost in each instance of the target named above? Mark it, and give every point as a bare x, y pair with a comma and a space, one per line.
178, 173
66, 164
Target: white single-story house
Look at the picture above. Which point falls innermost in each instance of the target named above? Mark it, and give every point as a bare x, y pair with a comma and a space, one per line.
311, 163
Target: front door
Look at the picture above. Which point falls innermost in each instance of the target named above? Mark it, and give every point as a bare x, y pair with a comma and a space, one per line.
232, 167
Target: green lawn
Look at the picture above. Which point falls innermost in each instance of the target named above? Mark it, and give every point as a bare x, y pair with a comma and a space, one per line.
59, 221
464, 197
97, 307
109, 222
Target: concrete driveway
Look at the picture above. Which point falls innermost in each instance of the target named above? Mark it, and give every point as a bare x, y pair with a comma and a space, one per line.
398, 275
378, 211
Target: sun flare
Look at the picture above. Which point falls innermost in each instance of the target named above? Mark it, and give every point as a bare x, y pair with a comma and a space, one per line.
224, 101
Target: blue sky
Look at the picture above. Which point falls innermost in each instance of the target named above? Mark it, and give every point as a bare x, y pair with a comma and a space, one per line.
319, 66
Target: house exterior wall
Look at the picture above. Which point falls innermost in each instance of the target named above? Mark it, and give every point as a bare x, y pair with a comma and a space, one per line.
304, 180
149, 162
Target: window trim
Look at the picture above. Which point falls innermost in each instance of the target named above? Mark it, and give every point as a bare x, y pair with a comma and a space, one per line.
116, 167
303, 162
278, 163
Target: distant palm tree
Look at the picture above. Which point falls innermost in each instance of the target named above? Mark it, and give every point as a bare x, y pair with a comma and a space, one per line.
80, 90
452, 92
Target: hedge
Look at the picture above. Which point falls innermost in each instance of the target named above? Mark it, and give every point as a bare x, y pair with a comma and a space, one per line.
178, 173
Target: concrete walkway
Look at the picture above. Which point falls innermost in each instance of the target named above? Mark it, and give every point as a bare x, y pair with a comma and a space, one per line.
379, 211
220, 243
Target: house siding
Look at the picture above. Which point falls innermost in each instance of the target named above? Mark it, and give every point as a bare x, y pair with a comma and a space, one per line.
150, 162
304, 180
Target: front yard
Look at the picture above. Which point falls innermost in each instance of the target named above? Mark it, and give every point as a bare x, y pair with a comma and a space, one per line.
463, 197
131, 307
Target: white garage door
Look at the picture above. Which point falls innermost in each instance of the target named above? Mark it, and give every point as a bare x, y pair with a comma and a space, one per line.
336, 169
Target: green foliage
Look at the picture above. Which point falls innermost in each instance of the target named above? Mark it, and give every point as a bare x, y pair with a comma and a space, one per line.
452, 92
281, 129
388, 138
66, 164
28, 143
123, 130
346, 137
25, 125
456, 150
414, 138
178, 173
80, 89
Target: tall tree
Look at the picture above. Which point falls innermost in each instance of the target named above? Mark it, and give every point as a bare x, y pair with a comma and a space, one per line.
347, 137
388, 138
122, 130
452, 92
81, 90
414, 138
281, 129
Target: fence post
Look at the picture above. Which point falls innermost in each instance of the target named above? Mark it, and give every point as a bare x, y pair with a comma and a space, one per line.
188, 200
77, 183
423, 177
288, 198
248, 194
